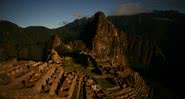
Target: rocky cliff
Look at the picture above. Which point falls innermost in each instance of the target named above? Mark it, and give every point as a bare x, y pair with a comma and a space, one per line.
104, 39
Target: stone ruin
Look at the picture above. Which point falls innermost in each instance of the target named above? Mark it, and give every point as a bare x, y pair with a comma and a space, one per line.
36, 79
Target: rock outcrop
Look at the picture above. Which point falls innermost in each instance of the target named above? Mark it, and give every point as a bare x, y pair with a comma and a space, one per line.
53, 54
104, 33
104, 39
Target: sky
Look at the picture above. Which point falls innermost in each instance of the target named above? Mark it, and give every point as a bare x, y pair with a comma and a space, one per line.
56, 13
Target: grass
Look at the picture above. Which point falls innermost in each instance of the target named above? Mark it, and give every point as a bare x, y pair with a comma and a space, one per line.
104, 83
69, 65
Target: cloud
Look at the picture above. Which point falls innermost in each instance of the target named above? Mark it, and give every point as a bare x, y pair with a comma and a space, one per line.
129, 9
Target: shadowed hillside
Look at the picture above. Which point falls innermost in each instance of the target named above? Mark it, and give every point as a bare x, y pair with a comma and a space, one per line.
22, 43
160, 34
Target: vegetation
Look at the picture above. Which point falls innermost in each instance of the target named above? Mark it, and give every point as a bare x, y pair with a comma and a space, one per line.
69, 64
104, 82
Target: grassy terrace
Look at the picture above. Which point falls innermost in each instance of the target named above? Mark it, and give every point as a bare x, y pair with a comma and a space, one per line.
70, 65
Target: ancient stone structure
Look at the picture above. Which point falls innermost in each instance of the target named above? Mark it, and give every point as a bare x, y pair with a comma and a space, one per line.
30, 79
53, 81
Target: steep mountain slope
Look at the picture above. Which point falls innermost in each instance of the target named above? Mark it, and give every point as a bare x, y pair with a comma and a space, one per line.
103, 38
164, 28
101, 34
158, 35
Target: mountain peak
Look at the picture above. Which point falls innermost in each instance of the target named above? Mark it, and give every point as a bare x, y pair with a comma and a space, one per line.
100, 14
102, 36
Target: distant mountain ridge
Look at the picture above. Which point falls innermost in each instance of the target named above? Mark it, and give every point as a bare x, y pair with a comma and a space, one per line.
149, 26
155, 27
